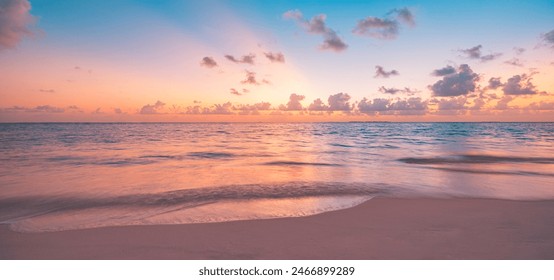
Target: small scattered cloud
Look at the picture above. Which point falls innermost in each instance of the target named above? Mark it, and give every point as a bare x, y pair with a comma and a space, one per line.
389, 90
519, 85
15, 22
152, 109
235, 92
393, 90
404, 15
208, 62
247, 59
275, 57
447, 70
381, 73
316, 25
514, 62
47, 90
385, 28
460, 83
475, 53
548, 38
250, 78
74, 108
519, 51
117, 111
98, 111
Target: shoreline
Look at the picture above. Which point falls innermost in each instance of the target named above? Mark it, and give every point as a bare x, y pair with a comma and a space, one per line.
381, 228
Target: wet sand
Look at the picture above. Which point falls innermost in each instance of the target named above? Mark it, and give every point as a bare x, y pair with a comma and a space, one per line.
382, 228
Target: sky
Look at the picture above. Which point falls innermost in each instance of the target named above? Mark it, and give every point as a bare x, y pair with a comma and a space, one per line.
177, 60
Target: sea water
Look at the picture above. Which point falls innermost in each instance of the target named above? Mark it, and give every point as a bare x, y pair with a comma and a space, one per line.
63, 176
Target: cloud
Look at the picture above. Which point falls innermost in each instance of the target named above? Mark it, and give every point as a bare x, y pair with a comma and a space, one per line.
216, 109
15, 20
294, 103
40, 109
252, 109
221, 109
47, 90
415, 104
460, 83
453, 103
494, 83
519, 51
380, 72
447, 70
333, 42
410, 106
47, 109
339, 102
316, 25
250, 78
98, 111
74, 108
475, 53
318, 105
519, 85
208, 62
514, 62
152, 109
384, 28
478, 103
543, 105
375, 105
235, 92
390, 90
405, 15
548, 38
502, 104
275, 57
117, 111
247, 59
393, 90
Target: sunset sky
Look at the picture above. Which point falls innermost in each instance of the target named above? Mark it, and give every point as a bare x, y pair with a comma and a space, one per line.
176, 60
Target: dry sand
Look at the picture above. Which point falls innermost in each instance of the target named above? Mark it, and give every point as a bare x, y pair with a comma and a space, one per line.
382, 228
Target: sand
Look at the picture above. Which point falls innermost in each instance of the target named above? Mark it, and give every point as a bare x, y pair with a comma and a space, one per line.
382, 228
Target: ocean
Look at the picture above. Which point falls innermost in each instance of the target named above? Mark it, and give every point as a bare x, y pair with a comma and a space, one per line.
66, 176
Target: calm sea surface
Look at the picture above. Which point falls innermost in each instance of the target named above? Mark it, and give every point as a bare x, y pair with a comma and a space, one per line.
70, 176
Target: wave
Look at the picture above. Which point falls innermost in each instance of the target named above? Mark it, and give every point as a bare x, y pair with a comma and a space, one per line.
286, 163
70, 212
211, 155
493, 172
477, 159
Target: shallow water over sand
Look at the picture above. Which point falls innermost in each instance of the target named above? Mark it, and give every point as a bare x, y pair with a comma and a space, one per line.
68, 176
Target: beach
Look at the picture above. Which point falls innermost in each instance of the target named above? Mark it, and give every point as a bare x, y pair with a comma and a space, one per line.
381, 228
